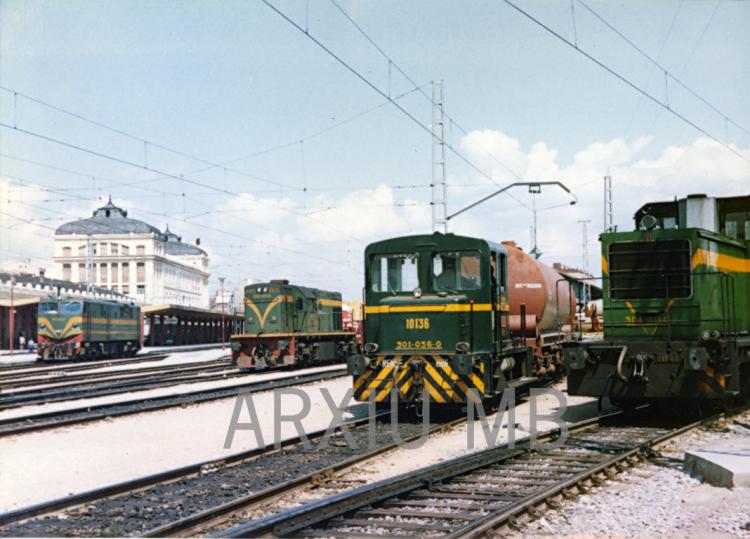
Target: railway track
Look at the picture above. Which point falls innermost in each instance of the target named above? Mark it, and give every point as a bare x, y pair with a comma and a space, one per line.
72, 365
115, 386
174, 502
469, 496
60, 379
71, 416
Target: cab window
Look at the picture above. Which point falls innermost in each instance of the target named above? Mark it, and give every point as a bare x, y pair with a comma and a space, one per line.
70, 307
394, 273
458, 270
48, 307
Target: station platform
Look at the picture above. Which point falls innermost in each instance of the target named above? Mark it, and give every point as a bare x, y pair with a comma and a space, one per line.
725, 463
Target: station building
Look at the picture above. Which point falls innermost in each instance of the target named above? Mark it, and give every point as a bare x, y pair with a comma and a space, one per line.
133, 258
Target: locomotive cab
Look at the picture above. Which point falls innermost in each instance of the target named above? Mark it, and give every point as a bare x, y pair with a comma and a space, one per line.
436, 321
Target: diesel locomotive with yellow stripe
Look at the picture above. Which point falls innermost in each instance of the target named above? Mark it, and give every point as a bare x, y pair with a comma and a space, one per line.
676, 308
287, 325
447, 314
88, 328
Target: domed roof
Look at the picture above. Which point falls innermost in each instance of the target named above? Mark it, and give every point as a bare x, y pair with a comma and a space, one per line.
173, 245
109, 219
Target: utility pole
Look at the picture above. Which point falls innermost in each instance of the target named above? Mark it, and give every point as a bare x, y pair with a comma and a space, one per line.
439, 194
12, 319
608, 212
221, 287
586, 288
534, 247
89, 266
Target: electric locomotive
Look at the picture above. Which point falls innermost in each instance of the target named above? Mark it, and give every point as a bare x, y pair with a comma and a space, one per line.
88, 328
439, 320
286, 325
676, 307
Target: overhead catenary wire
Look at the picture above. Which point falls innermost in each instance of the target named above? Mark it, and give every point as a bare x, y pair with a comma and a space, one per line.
372, 85
669, 73
625, 80
452, 121
157, 171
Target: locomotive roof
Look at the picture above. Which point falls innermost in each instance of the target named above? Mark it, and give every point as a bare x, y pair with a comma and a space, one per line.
306, 291
91, 300
450, 240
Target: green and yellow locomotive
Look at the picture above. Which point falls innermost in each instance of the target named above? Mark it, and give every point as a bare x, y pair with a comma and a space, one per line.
438, 321
88, 328
287, 324
676, 307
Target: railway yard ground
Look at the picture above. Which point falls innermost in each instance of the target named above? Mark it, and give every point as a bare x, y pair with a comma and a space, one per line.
61, 461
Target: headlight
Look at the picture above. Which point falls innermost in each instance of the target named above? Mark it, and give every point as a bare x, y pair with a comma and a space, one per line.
371, 347
462, 347
357, 364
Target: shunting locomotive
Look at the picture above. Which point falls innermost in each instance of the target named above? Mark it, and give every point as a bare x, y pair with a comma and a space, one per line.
676, 307
286, 324
445, 314
88, 328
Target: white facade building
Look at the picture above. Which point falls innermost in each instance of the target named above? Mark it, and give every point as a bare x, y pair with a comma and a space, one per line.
132, 257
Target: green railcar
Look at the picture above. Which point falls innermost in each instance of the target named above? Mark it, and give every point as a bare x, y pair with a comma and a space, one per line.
286, 324
437, 322
88, 328
676, 307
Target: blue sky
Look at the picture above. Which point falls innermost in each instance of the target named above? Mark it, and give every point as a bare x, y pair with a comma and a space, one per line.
223, 80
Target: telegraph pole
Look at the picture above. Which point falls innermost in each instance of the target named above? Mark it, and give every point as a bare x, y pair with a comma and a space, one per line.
439, 195
223, 333
12, 319
608, 205
89, 266
586, 289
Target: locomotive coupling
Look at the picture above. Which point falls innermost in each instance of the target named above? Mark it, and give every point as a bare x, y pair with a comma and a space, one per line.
462, 364
696, 359
575, 358
356, 364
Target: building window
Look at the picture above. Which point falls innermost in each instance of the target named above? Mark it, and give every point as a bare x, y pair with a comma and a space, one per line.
103, 273
114, 273
141, 289
93, 249
126, 289
114, 288
140, 274
93, 273
113, 248
81, 250
125, 250
140, 250
66, 251
66, 272
103, 249
126, 273
81, 273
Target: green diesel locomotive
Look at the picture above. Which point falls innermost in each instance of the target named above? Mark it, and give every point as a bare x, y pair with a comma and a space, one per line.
88, 328
286, 324
676, 307
439, 320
